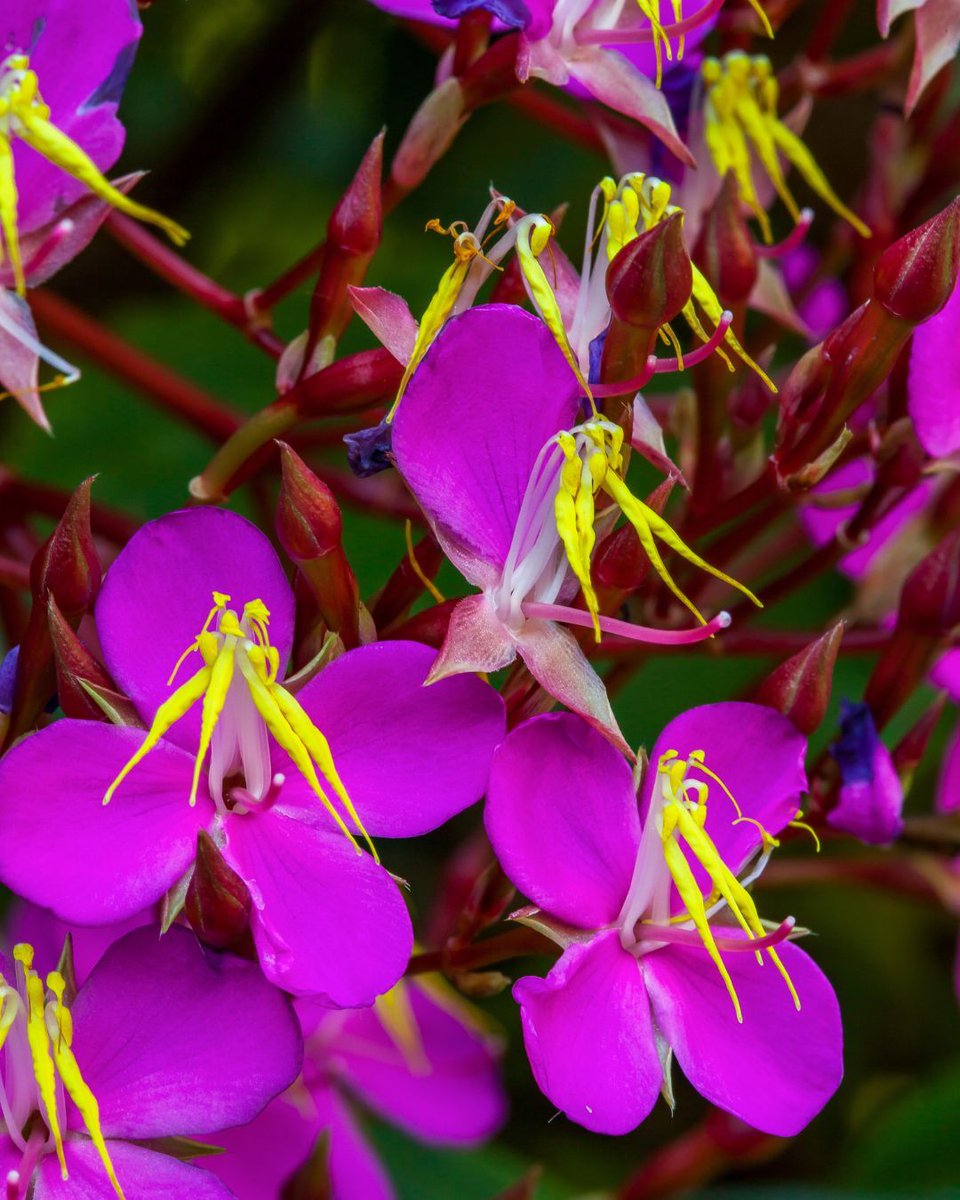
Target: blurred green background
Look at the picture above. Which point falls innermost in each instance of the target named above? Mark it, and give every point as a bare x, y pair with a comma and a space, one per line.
252, 116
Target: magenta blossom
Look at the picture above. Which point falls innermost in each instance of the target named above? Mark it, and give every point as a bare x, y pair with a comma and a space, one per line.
420, 1059
933, 381
99, 821
663, 944
871, 795
489, 440
156, 1043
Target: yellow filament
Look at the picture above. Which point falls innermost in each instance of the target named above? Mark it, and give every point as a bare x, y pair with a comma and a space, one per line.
8, 214
427, 582
38, 1040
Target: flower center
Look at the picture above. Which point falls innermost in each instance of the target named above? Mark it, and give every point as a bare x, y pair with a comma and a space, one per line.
24, 115
674, 833
243, 702
36, 1036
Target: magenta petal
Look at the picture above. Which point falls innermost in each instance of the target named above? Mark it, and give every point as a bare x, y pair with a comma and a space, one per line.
355, 1171
158, 592
946, 674
62, 849
452, 1095
410, 756
47, 934
555, 660
477, 640
562, 817
261, 1157
948, 788
589, 1036
143, 1175
173, 1038
326, 920
933, 380
757, 753
492, 389
776, 1070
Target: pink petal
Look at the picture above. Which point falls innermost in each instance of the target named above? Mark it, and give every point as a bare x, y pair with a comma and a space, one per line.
948, 788
492, 389
410, 756
589, 1036
173, 1038
389, 319
158, 592
776, 1070
477, 640
933, 380
143, 1175
562, 817
355, 1171
60, 847
326, 920
946, 674
554, 658
937, 24
19, 360
889, 10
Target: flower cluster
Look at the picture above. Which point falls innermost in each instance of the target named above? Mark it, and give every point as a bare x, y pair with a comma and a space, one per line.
267, 831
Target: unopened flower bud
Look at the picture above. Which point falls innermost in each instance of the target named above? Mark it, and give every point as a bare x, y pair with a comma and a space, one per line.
434, 126
218, 902
915, 277
650, 279
74, 662
724, 249
67, 565
800, 687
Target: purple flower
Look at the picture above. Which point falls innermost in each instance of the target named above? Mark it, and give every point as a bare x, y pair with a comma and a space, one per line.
933, 381
871, 795
489, 442
663, 946
163, 1039
99, 821
420, 1058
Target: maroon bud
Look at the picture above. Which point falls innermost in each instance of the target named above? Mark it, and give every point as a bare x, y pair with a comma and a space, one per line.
620, 563
489, 898
650, 279
915, 277
74, 663
724, 250
356, 224
309, 527
800, 687
930, 599
218, 903
909, 751
67, 565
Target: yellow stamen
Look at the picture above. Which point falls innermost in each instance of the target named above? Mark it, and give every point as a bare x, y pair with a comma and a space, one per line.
39, 1042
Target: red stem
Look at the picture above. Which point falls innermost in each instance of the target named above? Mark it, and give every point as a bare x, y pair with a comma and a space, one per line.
515, 943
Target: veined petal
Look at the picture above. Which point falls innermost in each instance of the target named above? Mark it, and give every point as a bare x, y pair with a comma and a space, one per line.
476, 640
174, 1038
61, 848
143, 1174
492, 388
410, 756
326, 920
158, 591
777, 1069
562, 817
589, 1036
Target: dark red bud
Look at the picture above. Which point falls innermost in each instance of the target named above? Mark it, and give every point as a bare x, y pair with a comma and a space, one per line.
490, 897
800, 687
930, 599
308, 520
724, 250
356, 223
650, 280
67, 565
909, 751
74, 662
915, 277
218, 903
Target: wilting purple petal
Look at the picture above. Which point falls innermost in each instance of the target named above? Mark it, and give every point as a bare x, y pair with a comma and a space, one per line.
554, 658
589, 1037
933, 380
871, 796
948, 788
326, 920
143, 1175
262, 1156
61, 848
410, 756
562, 817
157, 594
776, 1070
757, 753
174, 1038
452, 1094
490, 392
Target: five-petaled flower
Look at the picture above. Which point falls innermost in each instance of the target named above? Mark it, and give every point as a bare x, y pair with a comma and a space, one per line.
665, 954
99, 821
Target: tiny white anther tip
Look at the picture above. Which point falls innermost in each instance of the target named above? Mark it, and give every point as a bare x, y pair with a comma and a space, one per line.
724, 620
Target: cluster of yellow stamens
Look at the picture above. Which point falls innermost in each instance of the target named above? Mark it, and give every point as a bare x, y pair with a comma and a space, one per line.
241, 647
24, 115
50, 1038
742, 96
638, 203
683, 817
661, 42
593, 461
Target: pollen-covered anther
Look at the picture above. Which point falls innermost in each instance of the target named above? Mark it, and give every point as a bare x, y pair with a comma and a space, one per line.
240, 694
24, 115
